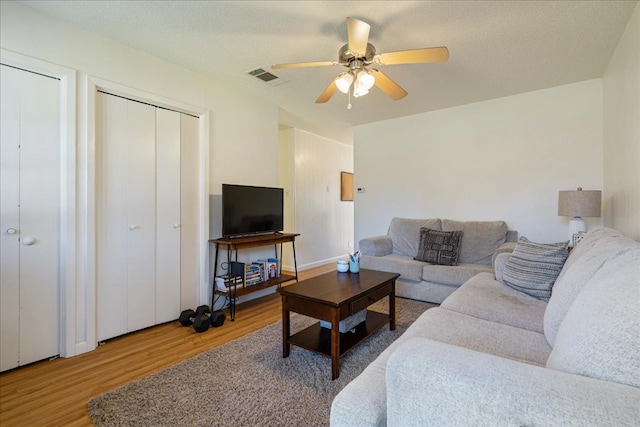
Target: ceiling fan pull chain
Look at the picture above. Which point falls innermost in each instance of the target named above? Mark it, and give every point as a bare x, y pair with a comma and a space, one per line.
349, 104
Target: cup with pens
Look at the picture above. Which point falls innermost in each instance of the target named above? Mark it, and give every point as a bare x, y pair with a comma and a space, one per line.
354, 262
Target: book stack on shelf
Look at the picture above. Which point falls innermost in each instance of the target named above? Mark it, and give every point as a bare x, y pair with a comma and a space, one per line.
226, 281
268, 268
252, 274
249, 274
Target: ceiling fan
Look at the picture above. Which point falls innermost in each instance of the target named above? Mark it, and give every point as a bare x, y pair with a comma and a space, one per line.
360, 57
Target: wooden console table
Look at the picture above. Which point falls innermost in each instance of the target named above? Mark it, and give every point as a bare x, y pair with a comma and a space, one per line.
233, 245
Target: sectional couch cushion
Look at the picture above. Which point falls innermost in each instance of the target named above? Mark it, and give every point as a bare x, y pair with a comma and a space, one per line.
600, 335
408, 268
438, 247
405, 234
482, 335
453, 276
534, 267
583, 262
436, 384
483, 297
480, 239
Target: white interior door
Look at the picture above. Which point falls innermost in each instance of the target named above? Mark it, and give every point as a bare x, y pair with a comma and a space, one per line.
189, 201
140, 214
168, 217
141, 209
30, 199
112, 225
126, 215
10, 219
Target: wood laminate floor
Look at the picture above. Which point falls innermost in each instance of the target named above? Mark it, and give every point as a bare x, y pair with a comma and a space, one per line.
56, 392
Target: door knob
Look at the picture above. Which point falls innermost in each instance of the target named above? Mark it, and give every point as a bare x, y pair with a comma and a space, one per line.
176, 225
11, 231
133, 227
28, 241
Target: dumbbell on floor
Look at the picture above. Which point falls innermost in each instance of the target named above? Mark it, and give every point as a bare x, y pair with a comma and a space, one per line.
200, 319
186, 317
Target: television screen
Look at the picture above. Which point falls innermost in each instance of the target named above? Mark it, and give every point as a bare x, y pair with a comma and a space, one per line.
251, 210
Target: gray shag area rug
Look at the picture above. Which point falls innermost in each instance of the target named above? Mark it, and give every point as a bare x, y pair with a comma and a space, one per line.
246, 382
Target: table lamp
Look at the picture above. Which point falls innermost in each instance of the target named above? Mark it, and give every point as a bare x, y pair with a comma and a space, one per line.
579, 203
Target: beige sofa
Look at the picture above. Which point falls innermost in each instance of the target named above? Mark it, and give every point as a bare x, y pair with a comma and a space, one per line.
395, 252
491, 355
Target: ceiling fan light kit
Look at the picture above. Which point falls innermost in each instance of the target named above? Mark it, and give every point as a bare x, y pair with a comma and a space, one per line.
362, 82
358, 54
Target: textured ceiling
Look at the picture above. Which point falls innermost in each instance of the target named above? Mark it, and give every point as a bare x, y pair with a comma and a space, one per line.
496, 48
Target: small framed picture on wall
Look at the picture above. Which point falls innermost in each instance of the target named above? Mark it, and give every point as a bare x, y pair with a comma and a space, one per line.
346, 186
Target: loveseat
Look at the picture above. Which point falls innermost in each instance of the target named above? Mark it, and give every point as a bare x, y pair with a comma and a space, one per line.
494, 355
395, 252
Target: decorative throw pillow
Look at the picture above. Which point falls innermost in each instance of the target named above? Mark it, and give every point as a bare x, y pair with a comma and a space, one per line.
439, 247
534, 267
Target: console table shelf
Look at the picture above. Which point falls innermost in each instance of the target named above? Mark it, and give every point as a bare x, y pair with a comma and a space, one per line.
240, 291
234, 244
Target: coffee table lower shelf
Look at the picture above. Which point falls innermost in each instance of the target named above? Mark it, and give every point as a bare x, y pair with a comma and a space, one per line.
318, 339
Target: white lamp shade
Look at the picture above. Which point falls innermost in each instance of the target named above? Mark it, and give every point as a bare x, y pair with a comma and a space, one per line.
365, 79
359, 89
343, 82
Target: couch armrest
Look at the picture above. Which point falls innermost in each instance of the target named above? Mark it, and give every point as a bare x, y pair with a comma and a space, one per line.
376, 246
432, 383
505, 248
498, 265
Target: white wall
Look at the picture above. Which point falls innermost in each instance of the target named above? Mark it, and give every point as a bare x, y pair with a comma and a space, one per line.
503, 159
621, 96
325, 223
286, 164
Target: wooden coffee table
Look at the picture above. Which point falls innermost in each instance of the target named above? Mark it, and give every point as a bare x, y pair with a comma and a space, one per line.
334, 297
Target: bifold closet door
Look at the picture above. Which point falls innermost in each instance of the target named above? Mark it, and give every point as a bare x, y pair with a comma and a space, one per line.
112, 216
189, 208
167, 305
29, 220
139, 227
141, 211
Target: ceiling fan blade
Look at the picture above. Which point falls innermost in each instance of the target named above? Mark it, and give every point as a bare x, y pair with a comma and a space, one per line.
328, 93
304, 64
388, 86
358, 35
431, 54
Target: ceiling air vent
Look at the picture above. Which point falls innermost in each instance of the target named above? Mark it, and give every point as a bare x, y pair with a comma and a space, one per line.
265, 76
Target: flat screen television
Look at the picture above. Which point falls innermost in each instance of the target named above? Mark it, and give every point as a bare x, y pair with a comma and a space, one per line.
250, 210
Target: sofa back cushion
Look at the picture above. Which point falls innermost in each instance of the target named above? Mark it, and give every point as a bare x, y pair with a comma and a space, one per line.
480, 239
405, 234
583, 262
600, 335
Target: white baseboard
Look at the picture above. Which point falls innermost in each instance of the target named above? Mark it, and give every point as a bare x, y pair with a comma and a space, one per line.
313, 264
